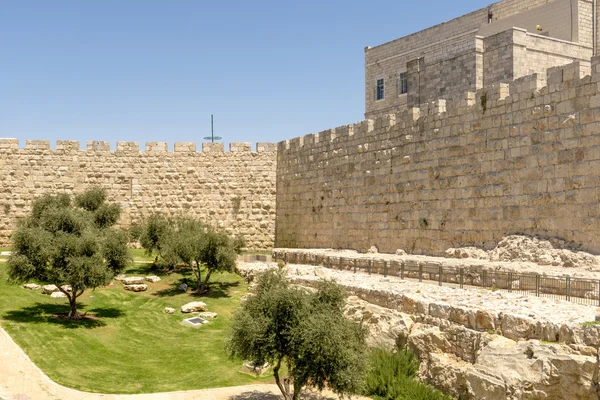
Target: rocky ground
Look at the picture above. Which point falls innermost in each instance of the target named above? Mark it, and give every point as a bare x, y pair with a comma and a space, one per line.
474, 343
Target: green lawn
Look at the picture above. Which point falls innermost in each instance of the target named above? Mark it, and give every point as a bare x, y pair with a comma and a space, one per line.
131, 345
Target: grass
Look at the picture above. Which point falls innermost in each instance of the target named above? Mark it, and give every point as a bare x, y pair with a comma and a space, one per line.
590, 323
130, 345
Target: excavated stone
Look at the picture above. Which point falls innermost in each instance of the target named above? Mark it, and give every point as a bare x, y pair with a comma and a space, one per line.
136, 288
193, 306
32, 286
49, 289
133, 280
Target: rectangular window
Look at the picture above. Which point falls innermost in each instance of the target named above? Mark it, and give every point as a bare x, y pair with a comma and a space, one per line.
380, 93
402, 83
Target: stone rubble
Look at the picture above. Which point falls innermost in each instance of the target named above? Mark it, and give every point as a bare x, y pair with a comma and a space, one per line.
133, 280
136, 287
49, 289
169, 310
153, 279
31, 286
58, 295
554, 252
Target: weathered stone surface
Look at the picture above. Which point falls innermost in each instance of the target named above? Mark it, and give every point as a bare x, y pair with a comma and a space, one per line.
58, 295
193, 306
251, 368
120, 277
136, 287
169, 310
153, 278
48, 289
400, 252
467, 252
384, 326
133, 280
234, 191
207, 314
32, 286
67, 288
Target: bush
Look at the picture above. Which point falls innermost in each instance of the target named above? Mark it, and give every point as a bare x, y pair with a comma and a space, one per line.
391, 376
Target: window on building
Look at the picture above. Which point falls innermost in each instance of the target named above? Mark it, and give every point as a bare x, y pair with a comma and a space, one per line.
402, 83
380, 91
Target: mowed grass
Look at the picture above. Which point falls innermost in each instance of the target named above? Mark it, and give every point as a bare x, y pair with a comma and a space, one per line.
129, 345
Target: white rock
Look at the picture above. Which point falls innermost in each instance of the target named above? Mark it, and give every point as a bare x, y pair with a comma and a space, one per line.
58, 295
169, 310
31, 286
48, 289
193, 306
400, 252
373, 250
133, 280
67, 288
153, 278
136, 288
207, 314
120, 277
5, 253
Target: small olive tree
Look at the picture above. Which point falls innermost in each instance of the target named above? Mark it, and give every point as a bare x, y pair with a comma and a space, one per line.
191, 242
69, 244
304, 331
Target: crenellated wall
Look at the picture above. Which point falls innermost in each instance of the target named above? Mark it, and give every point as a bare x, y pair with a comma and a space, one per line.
234, 190
522, 157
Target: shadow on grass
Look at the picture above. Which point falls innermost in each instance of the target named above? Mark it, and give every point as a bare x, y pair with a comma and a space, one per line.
217, 290
54, 314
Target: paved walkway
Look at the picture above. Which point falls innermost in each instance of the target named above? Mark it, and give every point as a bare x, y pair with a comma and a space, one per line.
21, 379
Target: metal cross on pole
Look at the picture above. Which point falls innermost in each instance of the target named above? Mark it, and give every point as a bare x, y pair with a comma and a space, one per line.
212, 136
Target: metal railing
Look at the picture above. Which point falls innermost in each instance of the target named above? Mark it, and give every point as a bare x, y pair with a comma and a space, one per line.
582, 291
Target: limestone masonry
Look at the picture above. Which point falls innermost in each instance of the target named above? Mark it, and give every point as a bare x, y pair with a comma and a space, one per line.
234, 190
512, 158
497, 44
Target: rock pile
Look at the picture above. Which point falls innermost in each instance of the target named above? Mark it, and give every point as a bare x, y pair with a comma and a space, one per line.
554, 252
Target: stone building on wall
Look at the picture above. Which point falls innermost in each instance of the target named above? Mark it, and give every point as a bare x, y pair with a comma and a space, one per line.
497, 44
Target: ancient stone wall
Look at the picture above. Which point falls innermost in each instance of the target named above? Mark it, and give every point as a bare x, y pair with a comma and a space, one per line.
233, 190
518, 158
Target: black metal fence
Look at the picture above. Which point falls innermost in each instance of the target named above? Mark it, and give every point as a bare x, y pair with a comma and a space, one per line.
583, 291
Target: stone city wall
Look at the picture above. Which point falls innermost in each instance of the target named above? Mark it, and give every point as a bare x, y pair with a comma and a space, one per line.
233, 190
518, 158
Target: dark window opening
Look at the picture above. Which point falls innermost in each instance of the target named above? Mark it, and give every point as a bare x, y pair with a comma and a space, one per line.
380, 93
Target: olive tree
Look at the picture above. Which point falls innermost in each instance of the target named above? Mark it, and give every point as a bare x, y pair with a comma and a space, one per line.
193, 243
302, 330
69, 244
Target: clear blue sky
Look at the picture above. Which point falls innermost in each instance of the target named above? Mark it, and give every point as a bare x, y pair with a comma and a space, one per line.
148, 70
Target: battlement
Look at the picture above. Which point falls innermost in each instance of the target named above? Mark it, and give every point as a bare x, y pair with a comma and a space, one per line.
558, 84
513, 157
11, 144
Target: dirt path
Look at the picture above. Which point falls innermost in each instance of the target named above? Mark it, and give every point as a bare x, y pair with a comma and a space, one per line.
21, 379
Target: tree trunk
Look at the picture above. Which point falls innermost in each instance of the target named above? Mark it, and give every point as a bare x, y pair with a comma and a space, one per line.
73, 308
283, 388
205, 283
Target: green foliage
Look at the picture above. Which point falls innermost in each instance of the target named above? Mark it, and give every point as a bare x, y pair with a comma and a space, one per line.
65, 245
304, 331
191, 242
391, 376
590, 323
154, 234
91, 200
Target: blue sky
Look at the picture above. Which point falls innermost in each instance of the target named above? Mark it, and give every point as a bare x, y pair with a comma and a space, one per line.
148, 70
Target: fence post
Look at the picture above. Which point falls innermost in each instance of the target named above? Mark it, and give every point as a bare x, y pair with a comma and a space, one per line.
509, 283
420, 273
568, 287
599, 293
484, 278
462, 277
441, 271
370, 266
341, 263
385, 269
354, 261
401, 270
537, 285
